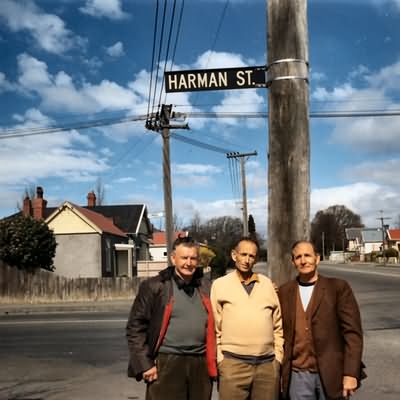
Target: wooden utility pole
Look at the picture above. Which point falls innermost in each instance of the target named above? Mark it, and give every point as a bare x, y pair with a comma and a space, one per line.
289, 148
244, 191
162, 123
169, 232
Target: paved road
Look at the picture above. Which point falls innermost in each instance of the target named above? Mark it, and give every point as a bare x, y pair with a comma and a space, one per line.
82, 355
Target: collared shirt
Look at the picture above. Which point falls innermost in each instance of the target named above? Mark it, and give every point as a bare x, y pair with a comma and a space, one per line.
188, 288
248, 283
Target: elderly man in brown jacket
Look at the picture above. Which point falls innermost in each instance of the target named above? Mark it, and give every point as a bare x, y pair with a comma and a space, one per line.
322, 331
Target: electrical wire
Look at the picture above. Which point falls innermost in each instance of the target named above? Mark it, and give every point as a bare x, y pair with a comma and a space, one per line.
12, 133
167, 52
176, 41
197, 143
15, 133
159, 59
152, 63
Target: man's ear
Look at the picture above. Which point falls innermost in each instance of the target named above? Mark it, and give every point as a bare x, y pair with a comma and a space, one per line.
233, 255
172, 258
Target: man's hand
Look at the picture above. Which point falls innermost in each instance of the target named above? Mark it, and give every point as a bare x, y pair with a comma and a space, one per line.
150, 375
349, 386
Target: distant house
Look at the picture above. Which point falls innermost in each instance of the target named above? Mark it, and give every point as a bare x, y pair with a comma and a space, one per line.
158, 247
393, 237
354, 239
94, 241
86, 244
371, 240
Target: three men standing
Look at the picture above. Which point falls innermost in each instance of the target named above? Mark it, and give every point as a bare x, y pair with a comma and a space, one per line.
322, 329
170, 330
171, 334
248, 326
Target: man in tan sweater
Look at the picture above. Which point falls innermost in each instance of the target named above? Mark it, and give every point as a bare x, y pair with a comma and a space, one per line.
249, 331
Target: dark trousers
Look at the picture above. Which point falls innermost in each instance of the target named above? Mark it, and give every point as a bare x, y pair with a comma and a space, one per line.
180, 377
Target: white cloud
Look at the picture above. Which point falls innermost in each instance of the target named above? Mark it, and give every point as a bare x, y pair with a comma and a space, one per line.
368, 134
382, 172
338, 93
196, 181
48, 30
213, 59
127, 179
363, 198
5, 85
116, 50
62, 155
59, 92
104, 8
317, 76
387, 78
247, 101
196, 169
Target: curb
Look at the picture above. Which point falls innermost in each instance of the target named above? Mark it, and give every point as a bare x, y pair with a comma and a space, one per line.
66, 307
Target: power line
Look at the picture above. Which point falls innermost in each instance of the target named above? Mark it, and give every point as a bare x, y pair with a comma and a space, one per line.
167, 51
15, 133
12, 133
315, 114
197, 143
159, 58
152, 60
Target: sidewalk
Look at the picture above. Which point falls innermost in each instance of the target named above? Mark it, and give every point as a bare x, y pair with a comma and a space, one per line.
68, 307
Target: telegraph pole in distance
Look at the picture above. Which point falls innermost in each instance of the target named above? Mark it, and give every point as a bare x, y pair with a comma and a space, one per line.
288, 125
382, 219
162, 123
244, 193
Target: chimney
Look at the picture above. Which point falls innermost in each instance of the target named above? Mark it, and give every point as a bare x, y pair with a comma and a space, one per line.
91, 199
27, 207
39, 204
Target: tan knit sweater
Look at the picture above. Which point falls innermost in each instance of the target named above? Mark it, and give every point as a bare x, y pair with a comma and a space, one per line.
247, 324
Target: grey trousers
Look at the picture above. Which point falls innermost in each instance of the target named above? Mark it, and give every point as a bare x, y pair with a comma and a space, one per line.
306, 385
180, 377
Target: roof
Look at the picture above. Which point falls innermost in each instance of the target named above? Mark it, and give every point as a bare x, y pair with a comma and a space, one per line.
126, 217
159, 238
393, 234
372, 235
353, 234
102, 223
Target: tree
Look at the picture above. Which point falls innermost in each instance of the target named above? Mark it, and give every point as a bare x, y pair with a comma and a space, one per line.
331, 224
219, 233
252, 228
177, 221
100, 192
27, 244
30, 191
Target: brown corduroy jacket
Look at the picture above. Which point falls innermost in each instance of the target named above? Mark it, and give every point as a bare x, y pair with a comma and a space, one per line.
336, 331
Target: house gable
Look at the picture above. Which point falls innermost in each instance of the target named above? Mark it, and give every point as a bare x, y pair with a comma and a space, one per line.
65, 220
72, 219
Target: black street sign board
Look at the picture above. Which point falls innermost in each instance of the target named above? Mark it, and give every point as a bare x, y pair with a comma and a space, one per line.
215, 79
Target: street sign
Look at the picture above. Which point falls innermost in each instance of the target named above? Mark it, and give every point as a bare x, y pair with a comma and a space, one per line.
215, 79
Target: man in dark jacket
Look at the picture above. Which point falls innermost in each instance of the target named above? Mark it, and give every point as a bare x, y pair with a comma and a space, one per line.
170, 330
322, 331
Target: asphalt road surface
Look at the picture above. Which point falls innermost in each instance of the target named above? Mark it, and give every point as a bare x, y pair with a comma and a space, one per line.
83, 355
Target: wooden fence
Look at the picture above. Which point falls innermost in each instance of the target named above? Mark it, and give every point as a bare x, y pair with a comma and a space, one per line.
18, 286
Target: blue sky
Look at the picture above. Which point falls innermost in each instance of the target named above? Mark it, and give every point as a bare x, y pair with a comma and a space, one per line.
71, 61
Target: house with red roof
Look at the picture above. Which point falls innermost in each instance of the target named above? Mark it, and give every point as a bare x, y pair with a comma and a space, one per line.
158, 247
94, 241
393, 237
